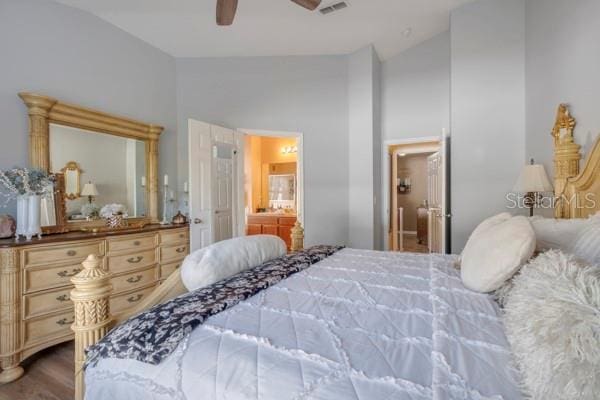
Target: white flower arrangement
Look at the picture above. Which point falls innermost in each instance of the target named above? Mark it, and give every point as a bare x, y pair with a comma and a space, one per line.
113, 209
24, 181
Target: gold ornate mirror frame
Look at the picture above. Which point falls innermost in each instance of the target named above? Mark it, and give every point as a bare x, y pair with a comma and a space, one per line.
44, 110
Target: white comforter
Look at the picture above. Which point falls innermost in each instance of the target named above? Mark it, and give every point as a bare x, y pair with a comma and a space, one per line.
361, 325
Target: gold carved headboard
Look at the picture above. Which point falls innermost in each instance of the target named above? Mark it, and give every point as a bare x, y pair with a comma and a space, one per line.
577, 194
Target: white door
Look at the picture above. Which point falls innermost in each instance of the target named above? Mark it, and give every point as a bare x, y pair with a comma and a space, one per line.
436, 200
200, 180
223, 181
239, 179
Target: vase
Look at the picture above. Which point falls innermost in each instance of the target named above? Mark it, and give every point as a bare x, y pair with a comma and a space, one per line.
22, 220
34, 227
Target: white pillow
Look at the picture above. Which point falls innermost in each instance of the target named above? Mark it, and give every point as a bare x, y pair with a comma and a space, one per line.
229, 257
495, 254
482, 227
586, 245
552, 233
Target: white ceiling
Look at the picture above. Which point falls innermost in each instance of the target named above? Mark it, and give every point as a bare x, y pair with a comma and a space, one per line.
187, 28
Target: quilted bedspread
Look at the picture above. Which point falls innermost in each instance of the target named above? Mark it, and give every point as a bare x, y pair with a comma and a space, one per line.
359, 325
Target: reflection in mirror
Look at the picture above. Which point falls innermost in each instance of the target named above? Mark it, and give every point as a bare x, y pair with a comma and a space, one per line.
115, 167
48, 208
282, 191
72, 174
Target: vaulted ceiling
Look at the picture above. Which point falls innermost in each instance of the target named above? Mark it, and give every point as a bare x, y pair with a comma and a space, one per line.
187, 28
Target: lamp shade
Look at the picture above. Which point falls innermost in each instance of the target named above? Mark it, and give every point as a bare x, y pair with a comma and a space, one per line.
89, 189
533, 178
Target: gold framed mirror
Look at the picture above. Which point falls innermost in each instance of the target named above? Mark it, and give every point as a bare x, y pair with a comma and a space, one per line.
95, 146
72, 174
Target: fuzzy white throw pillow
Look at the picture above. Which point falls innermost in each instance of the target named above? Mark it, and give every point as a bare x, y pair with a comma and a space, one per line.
552, 319
229, 257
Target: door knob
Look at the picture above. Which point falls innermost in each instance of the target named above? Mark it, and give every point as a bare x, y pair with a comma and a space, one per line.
197, 221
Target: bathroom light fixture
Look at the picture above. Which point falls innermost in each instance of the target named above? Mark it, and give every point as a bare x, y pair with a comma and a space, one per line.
289, 149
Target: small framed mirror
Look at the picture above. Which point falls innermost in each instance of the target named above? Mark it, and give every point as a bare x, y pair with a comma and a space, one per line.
72, 174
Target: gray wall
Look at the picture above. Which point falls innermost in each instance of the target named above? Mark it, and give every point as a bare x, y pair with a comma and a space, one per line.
298, 94
76, 57
416, 90
563, 66
488, 109
377, 154
364, 136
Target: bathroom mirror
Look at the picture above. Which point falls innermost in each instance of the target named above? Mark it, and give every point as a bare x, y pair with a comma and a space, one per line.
282, 191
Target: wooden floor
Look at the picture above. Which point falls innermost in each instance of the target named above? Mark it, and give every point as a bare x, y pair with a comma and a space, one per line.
411, 244
48, 376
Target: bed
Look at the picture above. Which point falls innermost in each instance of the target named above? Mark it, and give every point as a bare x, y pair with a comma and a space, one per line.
355, 324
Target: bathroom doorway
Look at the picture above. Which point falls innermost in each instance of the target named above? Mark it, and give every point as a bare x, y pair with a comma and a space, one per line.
273, 182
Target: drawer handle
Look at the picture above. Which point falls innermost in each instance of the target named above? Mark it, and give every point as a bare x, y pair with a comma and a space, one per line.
180, 249
135, 260
64, 297
137, 243
181, 235
135, 279
134, 299
67, 274
71, 253
65, 321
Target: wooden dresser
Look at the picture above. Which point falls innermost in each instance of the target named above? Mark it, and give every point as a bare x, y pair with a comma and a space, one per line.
272, 224
35, 309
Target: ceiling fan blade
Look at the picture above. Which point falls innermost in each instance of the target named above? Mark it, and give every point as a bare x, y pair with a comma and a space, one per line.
308, 4
226, 11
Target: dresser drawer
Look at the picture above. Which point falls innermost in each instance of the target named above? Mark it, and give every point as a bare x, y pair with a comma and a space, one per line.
47, 302
167, 269
174, 236
121, 302
43, 328
131, 243
127, 262
76, 252
40, 278
173, 253
133, 280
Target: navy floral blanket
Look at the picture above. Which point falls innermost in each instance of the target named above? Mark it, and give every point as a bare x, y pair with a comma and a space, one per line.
153, 335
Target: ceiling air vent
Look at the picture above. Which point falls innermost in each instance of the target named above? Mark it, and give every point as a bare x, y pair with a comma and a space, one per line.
333, 8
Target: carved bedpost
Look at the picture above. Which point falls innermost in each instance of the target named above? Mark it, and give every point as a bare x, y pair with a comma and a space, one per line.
10, 310
297, 237
92, 313
566, 159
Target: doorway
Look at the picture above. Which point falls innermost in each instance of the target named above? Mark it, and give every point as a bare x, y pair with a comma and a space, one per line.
220, 184
273, 182
417, 195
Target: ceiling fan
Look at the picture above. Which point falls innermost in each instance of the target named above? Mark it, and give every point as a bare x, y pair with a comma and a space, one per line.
226, 9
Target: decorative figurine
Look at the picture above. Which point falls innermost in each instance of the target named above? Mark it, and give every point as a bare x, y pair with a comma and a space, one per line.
8, 226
